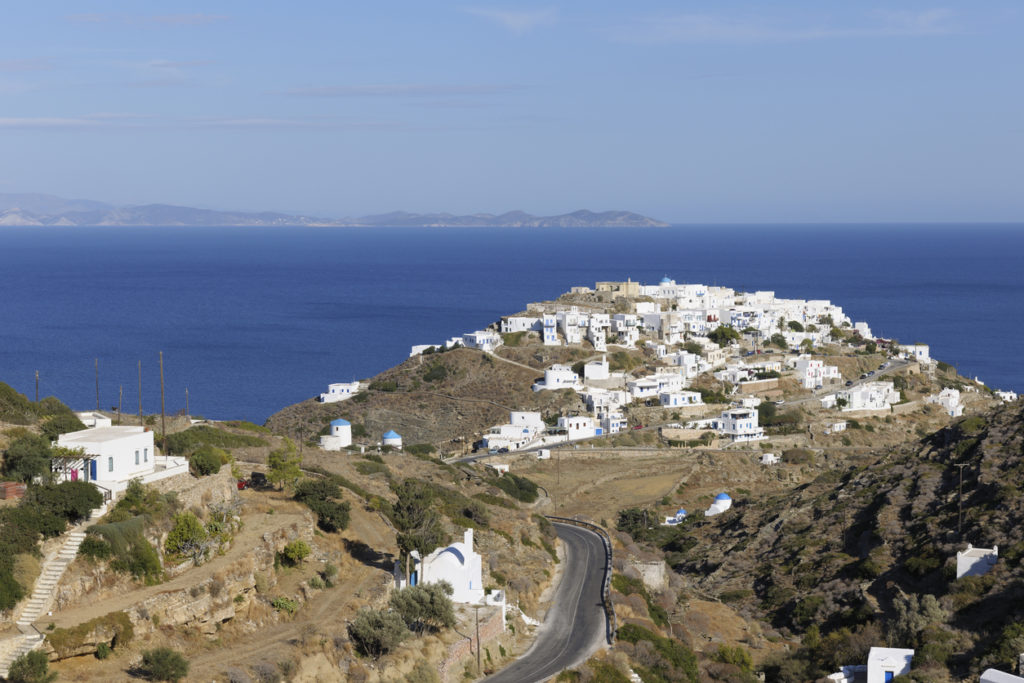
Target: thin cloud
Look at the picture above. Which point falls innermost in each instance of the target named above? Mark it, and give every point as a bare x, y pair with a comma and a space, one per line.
11, 65
707, 28
125, 121
402, 90
188, 19
516, 21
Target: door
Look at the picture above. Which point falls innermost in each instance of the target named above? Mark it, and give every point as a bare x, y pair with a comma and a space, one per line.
92, 470
889, 675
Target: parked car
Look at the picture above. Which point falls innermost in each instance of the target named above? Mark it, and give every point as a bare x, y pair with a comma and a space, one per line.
638, 426
871, 373
258, 480
863, 376
849, 382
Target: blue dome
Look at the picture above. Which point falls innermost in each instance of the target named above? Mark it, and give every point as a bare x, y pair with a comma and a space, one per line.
723, 496
666, 281
392, 434
680, 512
340, 423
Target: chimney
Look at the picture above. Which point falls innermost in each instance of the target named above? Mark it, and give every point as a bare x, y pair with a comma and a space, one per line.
468, 538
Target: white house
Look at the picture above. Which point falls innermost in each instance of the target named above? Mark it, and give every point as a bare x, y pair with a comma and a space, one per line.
976, 561
341, 391
485, 340
558, 377
92, 419
918, 352
520, 323
571, 324
550, 330
339, 437
884, 664
458, 564
678, 399
769, 459
949, 399
869, 396
675, 519
863, 330
721, 503
1007, 396
997, 676
612, 422
596, 369
522, 429
602, 400
653, 385
739, 425
813, 373
579, 427
835, 427
392, 438
113, 456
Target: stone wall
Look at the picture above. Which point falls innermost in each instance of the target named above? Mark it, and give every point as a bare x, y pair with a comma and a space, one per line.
459, 652
651, 573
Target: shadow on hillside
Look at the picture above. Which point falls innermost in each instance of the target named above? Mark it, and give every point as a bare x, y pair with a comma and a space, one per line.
369, 556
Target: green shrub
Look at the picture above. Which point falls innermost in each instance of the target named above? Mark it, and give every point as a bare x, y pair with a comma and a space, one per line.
388, 385
675, 653
517, 487
283, 604
420, 449
164, 664
295, 552
61, 424
207, 460
27, 457
187, 537
374, 632
436, 373
102, 650
117, 626
95, 548
189, 441
31, 667
367, 468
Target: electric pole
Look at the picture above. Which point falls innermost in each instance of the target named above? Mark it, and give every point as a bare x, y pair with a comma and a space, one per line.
163, 414
120, 399
476, 608
188, 412
37, 386
140, 393
97, 385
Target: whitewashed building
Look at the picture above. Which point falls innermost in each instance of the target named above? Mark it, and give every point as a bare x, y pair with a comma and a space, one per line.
113, 456
949, 399
392, 438
739, 425
1007, 396
867, 396
558, 377
918, 352
520, 323
997, 676
612, 422
721, 503
342, 391
884, 664
812, 373
522, 429
550, 330
596, 369
769, 459
93, 419
976, 561
340, 435
680, 399
578, 427
675, 519
485, 340
457, 564
653, 385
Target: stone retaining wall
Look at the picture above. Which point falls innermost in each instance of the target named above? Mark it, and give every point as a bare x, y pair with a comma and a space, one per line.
491, 627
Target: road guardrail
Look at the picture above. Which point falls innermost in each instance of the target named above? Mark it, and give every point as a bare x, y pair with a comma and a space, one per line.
611, 622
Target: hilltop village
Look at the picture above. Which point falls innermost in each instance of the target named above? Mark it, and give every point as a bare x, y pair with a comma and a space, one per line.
786, 495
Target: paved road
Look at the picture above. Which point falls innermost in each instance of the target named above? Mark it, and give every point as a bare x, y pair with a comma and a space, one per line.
575, 625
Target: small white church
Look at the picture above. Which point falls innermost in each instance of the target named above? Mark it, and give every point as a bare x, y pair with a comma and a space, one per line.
458, 564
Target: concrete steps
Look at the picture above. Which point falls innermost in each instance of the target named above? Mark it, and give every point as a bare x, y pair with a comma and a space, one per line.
42, 596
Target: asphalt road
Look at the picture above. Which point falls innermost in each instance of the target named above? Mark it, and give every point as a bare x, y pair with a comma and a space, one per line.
575, 625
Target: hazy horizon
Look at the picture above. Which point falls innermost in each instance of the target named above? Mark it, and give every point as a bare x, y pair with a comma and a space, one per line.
805, 113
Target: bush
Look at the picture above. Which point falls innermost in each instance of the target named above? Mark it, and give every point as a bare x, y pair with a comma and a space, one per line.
317, 495
425, 607
207, 460
27, 457
187, 537
419, 449
676, 655
164, 664
61, 424
517, 487
374, 632
189, 441
283, 604
295, 552
95, 548
31, 667
436, 373
723, 334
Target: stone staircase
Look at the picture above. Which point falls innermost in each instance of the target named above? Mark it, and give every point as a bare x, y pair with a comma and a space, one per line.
42, 596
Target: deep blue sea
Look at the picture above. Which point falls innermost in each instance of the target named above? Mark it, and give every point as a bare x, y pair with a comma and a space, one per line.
253, 319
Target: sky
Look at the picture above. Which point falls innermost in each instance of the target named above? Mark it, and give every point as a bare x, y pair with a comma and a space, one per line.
691, 112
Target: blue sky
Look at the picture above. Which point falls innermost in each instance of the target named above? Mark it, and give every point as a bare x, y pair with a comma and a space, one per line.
687, 111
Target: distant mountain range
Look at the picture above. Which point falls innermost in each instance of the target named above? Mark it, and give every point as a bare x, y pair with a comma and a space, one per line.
42, 209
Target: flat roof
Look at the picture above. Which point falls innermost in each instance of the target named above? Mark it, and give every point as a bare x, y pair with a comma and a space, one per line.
100, 434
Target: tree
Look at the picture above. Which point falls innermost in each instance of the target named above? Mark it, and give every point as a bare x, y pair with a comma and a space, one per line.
61, 424
779, 340
295, 552
69, 500
284, 465
164, 664
374, 632
31, 667
423, 607
27, 457
207, 460
188, 538
414, 517
723, 335
795, 326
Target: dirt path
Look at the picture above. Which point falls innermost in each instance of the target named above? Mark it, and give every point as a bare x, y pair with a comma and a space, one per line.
255, 525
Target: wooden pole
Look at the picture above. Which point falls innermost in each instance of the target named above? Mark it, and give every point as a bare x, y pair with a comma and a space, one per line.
97, 385
476, 608
37, 386
960, 496
163, 413
120, 399
140, 393
187, 411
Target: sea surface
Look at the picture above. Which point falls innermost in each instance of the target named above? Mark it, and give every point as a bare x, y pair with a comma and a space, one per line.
251, 320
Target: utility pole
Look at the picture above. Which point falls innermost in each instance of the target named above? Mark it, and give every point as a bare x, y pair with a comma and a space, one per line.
163, 414
120, 399
960, 496
97, 385
187, 411
37, 386
479, 669
140, 393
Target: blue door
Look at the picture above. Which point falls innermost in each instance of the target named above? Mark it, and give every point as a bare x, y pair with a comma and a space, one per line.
889, 675
92, 470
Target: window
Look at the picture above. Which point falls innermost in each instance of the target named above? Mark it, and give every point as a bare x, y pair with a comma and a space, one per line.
136, 457
145, 455
110, 464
